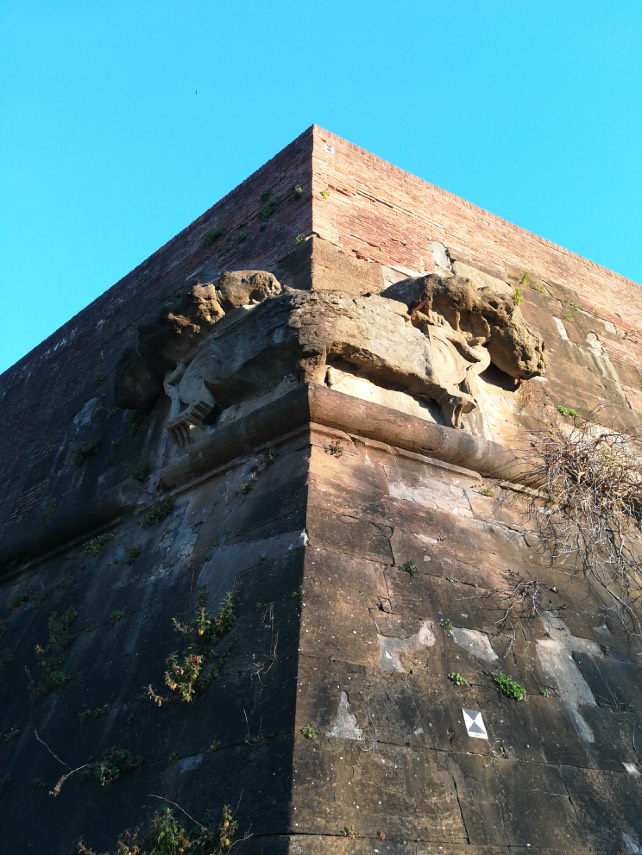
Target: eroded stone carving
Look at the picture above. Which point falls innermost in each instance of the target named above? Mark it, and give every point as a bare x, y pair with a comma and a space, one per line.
469, 328
167, 340
429, 337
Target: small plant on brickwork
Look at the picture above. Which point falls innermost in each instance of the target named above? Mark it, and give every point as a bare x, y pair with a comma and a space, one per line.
545, 692
114, 762
298, 191
11, 734
446, 624
268, 206
308, 731
509, 687
541, 289
457, 678
116, 616
518, 296
98, 712
335, 449
158, 511
299, 238
409, 567
51, 657
167, 836
325, 194
84, 452
95, 544
568, 412
213, 236
192, 671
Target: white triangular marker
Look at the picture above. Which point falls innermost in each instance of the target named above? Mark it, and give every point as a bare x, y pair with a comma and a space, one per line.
475, 724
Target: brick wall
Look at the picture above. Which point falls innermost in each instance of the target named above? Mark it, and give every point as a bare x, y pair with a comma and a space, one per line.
379, 212
42, 392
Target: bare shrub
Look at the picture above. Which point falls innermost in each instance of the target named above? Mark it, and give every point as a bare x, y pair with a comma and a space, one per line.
588, 513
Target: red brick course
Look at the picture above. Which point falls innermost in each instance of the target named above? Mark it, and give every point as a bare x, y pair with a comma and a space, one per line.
381, 213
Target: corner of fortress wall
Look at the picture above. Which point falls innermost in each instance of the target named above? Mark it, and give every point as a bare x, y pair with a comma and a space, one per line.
283, 582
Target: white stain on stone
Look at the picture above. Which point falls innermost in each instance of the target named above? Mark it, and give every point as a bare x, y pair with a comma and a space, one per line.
559, 323
440, 255
631, 845
189, 763
391, 648
345, 723
555, 657
474, 642
631, 768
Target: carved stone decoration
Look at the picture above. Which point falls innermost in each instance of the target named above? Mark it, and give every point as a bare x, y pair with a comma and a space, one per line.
469, 328
174, 332
428, 337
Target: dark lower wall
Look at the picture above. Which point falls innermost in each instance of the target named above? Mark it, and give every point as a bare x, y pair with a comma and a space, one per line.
407, 577
86, 631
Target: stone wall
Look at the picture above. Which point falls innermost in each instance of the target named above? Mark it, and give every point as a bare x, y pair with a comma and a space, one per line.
350, 571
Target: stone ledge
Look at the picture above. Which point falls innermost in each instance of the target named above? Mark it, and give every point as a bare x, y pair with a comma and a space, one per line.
307, 404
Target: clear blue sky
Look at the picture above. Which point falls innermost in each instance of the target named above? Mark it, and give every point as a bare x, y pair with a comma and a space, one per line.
532, 110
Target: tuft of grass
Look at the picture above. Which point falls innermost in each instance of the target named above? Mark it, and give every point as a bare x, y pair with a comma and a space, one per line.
116, 616
509, 687
524, 278
113, 763
298, 191
213, 236
518, 296
446, 624
308, 731
158, 511
409, 567
268, 207
567, 411
299, 238
486, 491
457, 678
335, 449
95, 544
11, 734
325, 193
